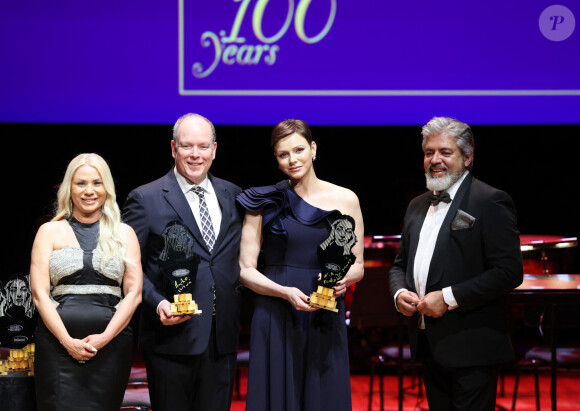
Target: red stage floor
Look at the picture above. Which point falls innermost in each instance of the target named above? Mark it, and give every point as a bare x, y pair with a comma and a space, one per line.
568, 394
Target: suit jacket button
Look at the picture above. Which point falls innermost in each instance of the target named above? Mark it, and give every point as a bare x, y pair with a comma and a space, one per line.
212, 289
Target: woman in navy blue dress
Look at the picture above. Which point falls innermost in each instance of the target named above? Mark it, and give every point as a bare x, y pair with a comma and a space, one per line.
298, 353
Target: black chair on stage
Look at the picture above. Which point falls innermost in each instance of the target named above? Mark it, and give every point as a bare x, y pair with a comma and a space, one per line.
242, 361
372, 306
243, 354
137, 393
136, 399
558, 330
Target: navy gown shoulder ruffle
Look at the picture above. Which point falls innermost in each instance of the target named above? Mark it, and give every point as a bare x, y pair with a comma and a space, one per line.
280, 199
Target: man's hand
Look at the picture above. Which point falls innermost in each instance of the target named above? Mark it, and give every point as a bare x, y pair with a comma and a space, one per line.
433, 304
167, 318
407, 303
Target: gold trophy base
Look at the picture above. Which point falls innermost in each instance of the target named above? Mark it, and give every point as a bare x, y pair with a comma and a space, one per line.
184, 305
324, 298
19, 360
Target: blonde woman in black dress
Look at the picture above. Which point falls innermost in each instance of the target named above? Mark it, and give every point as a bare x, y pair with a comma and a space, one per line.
86, 283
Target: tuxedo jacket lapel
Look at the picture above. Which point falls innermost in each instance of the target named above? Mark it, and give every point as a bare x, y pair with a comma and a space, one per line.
179, 203
437, 265
176, 199
225, 200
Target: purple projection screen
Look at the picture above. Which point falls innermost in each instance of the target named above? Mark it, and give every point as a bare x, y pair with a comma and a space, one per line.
256, 62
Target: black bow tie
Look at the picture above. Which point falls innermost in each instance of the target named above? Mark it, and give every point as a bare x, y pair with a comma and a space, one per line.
442, 196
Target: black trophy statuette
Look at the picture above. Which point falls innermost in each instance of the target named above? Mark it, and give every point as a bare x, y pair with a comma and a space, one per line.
335, 258
17, 312
178, 264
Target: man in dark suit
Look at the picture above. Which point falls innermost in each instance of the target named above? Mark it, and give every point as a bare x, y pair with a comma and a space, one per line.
188, 225
458, 259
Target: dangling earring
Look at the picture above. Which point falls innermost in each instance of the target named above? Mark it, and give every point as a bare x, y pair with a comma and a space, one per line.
313, 158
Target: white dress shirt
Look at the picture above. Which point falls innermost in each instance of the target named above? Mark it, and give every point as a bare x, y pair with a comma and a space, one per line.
427, 240
211, 200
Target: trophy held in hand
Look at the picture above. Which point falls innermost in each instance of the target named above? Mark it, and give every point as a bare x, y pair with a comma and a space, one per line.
179, 265
335, 258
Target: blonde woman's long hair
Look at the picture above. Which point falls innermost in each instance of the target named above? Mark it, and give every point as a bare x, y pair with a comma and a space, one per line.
111, 241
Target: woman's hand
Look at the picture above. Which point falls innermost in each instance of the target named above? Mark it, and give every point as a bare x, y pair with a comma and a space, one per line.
340, 287
80, 350
298, 299
97, 341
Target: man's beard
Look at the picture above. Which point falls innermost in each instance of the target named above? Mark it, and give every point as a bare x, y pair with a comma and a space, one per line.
442, 183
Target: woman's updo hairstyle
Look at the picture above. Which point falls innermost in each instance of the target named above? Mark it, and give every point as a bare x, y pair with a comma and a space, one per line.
288, 127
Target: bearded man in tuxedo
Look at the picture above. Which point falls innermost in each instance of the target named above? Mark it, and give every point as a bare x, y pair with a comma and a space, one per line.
459, 257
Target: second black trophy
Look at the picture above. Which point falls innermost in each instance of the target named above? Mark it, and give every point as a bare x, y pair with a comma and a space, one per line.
335, 258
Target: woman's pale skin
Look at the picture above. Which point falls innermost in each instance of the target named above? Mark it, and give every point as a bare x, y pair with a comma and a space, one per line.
294, 155
88, 196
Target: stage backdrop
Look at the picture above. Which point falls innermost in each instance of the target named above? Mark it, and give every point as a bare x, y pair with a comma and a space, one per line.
331, 62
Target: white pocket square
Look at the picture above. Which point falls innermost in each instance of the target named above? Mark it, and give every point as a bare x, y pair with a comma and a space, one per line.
462, 221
